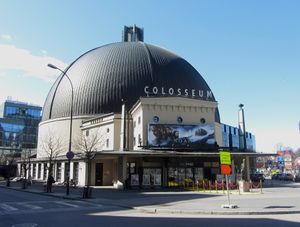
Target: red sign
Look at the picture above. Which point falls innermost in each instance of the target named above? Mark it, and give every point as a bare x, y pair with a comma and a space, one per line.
225, 169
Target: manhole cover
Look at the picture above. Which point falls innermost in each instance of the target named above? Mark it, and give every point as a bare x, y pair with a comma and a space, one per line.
25, 225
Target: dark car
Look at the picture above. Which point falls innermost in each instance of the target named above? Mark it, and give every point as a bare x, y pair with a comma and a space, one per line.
257, 177
276, 176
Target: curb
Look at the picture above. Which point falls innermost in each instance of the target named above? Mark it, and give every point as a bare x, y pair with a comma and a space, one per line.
212, 212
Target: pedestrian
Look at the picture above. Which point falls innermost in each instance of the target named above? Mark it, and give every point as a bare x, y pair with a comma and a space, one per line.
50, 181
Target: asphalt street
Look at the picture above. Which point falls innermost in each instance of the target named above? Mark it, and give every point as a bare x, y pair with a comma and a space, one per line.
137, 208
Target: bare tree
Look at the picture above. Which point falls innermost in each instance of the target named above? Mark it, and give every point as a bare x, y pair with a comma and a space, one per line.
88, 144
52, 146
25, 165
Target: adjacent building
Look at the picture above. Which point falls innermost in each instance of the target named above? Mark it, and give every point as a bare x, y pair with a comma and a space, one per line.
18, 126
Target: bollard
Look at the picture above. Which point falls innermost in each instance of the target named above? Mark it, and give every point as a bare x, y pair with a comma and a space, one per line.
260, 181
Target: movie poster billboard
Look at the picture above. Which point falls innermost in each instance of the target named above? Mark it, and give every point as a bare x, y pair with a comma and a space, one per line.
182, 136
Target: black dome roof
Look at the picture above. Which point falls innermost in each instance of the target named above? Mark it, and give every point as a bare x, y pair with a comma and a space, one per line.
103, 76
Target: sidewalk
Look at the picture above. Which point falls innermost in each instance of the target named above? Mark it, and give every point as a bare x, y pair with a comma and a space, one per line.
273, 200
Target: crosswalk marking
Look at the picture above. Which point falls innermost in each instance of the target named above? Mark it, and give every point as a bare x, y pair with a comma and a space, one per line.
44, 206
8, 207
30, 206
66, 204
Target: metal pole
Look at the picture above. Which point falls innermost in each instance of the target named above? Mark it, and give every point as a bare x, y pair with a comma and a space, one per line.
71, 122
227, 190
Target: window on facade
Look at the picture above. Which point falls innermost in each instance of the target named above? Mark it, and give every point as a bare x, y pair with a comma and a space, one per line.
134, 124
107, 130
179, 119
134, 141
140, 140
107, 143
139, 120
87, 133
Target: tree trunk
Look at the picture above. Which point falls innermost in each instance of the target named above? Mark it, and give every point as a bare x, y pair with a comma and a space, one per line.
89, 167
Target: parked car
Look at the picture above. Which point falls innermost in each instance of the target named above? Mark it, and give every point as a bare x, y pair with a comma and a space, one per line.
288, 177
257, 177
276, 176
17, 179
296, 178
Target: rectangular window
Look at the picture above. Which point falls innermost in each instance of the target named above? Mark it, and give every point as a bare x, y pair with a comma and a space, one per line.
139, 120
134, 124
107, 143
140, 140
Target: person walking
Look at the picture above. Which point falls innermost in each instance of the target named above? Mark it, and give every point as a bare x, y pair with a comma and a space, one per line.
50, 181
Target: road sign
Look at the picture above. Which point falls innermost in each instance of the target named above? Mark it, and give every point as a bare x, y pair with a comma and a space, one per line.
226, 169
225, 158
70, 155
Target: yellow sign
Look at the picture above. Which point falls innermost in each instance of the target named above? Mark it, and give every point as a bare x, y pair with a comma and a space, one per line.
225, 158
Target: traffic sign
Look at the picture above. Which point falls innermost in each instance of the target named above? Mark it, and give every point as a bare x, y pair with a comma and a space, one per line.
225, 158
226, 169
70, 155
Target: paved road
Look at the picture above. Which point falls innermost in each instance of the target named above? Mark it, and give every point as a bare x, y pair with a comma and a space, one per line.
108, 208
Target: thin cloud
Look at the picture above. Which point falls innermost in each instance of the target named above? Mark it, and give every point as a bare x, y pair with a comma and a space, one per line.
14, 58
6, 37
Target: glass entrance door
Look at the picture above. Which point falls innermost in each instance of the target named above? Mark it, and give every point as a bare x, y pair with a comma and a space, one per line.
99, 174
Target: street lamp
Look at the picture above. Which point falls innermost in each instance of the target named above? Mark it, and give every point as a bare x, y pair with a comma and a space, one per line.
70, 154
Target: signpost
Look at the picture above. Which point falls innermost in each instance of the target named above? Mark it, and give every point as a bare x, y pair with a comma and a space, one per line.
225, 160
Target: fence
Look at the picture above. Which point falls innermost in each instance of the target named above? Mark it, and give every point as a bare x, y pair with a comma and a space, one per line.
214, 186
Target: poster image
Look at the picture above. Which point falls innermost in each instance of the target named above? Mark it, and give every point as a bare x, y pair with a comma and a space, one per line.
177, 135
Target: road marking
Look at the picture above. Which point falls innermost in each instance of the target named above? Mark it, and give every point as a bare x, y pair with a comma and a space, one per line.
7, 207
66, 204
30, 206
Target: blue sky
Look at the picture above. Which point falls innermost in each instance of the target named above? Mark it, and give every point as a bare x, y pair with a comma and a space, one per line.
248, 52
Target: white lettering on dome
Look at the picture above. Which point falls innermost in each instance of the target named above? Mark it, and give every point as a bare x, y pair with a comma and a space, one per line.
146, 90
186, 92
201, 93
208, 94
193, 92
179, 92
163, 91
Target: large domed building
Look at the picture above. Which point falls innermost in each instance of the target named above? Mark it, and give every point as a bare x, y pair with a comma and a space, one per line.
155, 119
102, 77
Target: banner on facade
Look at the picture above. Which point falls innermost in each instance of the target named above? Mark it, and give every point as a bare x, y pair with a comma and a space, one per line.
177, 135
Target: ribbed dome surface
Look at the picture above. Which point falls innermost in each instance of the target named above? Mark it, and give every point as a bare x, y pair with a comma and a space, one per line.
103, 76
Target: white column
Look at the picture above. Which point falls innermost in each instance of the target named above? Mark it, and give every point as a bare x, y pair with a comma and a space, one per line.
71, 170
82, 180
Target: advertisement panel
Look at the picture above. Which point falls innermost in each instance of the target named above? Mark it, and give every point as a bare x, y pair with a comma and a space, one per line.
182, 136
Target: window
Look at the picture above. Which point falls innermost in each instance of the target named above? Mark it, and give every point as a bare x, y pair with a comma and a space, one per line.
139, 120
107, 143
134, 124
107, 130
179, 119
155, 119
140, 140
87, 133
134, 141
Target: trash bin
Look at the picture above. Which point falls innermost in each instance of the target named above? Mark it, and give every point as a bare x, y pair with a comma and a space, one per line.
87, 192
24, 183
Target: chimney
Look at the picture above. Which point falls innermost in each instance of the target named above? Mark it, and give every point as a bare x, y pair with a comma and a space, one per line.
133, 34
242, 131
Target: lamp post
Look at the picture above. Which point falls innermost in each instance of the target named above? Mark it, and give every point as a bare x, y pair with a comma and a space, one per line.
70, 154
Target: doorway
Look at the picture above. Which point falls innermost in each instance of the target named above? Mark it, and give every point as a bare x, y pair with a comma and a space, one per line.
99, 174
